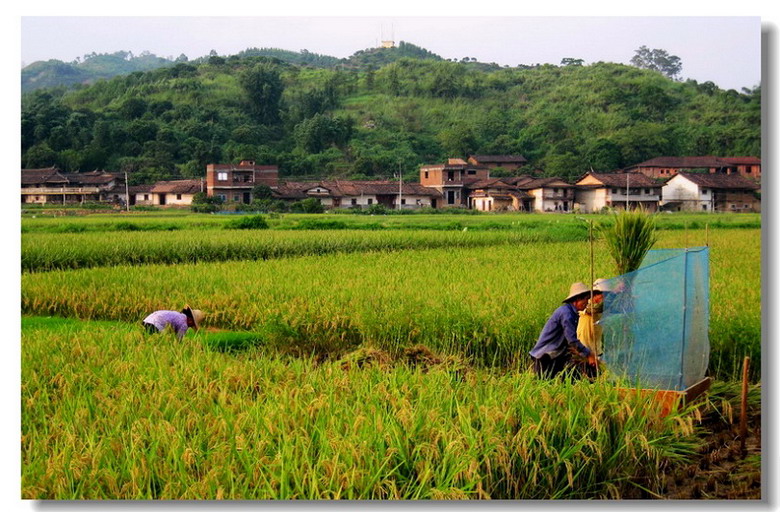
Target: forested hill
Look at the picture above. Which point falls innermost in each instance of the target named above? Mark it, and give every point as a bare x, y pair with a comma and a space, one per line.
377, 112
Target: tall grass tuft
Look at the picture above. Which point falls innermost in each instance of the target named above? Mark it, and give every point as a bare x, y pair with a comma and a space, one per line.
629, 238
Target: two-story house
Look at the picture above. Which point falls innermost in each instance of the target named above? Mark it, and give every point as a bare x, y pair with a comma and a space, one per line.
451, 180
626, 190
234, 182
54, 186
706, 192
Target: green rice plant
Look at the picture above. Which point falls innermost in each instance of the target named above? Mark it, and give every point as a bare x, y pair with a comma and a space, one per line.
109, 412
628, 238
487, 304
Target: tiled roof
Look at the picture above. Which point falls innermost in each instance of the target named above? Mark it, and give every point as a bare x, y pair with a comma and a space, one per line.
517, 180
720, 181
742, 160
41, 176
176, 187
499, 158
551, 182
140, 189
338, 188
634, 180
90, 178
684, 162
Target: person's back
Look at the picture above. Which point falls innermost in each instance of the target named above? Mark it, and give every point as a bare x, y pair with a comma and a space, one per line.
179, 322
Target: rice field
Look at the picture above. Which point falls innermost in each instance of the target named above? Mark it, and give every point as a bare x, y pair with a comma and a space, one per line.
340, 363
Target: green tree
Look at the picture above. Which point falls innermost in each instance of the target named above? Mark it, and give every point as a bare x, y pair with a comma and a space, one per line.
657, 60
263, 86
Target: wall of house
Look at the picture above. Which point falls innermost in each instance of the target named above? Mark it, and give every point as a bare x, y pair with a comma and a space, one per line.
687, 193
591, 200
736, 201
178, 199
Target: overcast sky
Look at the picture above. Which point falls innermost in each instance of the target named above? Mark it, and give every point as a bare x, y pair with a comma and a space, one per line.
725, 50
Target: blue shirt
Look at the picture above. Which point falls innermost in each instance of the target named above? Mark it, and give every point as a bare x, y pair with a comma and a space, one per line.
162, 319
559, 333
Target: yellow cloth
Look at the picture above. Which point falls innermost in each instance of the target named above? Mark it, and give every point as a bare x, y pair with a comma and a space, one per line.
588, 330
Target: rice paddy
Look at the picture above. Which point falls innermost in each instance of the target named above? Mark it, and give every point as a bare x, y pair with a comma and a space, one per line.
384, 363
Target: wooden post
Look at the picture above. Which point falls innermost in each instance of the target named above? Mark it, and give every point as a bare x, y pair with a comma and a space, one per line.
743, 410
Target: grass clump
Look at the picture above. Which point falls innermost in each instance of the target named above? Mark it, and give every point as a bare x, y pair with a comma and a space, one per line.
628, 238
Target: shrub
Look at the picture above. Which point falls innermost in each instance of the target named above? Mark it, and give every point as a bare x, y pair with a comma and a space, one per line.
251, 222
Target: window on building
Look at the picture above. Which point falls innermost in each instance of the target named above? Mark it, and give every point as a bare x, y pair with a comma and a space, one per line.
450, 175
471, 171
450, 197
426, 175
647, 191
354, 201
370, 201
222, 197
555, 191
746, 206
146, 197
222, 176
748, 169
704, 207
236, 197
403, 201
704, 191
614, 191
178, 197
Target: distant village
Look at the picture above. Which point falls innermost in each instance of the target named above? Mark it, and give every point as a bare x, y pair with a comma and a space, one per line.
691, 183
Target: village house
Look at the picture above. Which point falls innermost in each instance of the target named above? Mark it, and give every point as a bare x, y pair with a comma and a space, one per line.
166, 193
551, 194
667, 166
359, 194
234, 183
490, 195
54, 186
705, 192
505, 162
451, 180
627, 190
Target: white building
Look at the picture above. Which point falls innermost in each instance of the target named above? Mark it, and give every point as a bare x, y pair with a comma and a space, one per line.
596, 191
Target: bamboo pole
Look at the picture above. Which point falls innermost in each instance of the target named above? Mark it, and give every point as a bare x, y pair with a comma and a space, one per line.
743, 410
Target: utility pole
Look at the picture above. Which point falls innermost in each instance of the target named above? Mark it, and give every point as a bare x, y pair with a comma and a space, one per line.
400, 185
127, 194
626, 191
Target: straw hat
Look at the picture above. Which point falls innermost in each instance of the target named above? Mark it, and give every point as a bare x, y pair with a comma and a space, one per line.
602, 285
576, 290
196, 315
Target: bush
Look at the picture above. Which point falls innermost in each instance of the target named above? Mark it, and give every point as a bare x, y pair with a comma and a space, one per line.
201, 203
310, 205
252, 222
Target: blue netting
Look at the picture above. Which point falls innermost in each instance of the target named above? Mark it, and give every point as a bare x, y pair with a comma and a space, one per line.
656, 321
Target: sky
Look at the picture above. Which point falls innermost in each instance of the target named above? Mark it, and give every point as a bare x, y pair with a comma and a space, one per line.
725, 50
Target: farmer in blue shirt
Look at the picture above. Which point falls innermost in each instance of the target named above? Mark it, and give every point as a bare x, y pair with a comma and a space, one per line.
558, 343
180, 322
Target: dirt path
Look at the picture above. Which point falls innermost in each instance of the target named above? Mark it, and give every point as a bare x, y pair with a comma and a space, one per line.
720, 470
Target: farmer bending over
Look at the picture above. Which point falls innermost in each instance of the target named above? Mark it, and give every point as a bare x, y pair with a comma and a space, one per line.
558, 343
179, 322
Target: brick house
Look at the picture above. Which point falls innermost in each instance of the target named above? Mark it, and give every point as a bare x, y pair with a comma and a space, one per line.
667, 166
689, 191
54, 186
595, 191
451, 180
235, 182
166, 193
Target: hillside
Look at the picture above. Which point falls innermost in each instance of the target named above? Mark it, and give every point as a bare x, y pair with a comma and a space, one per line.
378, 111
